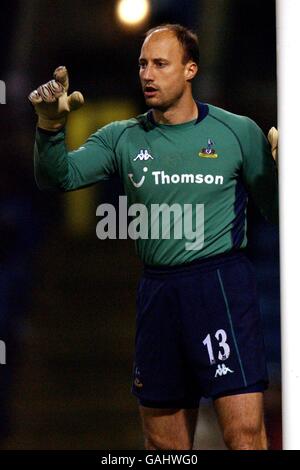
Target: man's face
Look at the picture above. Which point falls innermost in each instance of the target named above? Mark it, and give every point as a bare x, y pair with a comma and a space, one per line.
163, 75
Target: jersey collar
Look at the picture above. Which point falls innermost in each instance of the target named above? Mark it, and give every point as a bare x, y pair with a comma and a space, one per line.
202, 113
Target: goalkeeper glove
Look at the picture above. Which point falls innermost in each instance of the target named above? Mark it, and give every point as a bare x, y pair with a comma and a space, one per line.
273, 139
52, 102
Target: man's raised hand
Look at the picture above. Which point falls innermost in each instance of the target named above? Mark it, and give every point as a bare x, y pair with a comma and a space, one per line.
273, 139
52, 102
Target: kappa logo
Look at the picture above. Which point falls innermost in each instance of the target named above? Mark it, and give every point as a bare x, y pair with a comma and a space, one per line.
222, 370
143, 155
208, 152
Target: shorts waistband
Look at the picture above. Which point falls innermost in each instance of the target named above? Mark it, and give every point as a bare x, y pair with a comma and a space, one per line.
198, 264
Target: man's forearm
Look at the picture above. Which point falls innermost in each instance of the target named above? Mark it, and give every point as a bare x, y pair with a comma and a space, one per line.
50, 161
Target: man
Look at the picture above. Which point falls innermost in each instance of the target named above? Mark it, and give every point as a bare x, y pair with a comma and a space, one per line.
198, 321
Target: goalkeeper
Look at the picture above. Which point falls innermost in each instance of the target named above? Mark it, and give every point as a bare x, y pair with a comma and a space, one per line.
199, 331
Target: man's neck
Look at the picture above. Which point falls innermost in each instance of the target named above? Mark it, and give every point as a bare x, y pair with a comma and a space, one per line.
181, 112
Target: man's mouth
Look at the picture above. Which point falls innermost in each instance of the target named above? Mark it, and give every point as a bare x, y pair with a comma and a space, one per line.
150, 91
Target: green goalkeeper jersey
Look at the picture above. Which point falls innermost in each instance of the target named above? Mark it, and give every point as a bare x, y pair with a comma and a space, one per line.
199, 172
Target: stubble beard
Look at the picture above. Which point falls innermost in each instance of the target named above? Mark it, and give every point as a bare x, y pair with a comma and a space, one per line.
163, 105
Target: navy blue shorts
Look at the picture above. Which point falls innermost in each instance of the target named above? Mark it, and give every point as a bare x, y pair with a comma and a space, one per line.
199, 333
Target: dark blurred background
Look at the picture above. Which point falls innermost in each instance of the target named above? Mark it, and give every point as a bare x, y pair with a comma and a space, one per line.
67, 299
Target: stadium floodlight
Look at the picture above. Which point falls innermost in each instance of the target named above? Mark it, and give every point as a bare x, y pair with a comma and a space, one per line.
133, 12
288, 37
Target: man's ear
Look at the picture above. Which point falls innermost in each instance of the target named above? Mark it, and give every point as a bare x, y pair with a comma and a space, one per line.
191, 70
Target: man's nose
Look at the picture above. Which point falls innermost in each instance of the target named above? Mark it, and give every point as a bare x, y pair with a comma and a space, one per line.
147, 73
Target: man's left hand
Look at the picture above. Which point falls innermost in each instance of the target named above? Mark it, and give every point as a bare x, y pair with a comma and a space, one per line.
273, 139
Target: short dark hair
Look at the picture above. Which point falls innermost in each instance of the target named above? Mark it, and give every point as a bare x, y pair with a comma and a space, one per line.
187, 38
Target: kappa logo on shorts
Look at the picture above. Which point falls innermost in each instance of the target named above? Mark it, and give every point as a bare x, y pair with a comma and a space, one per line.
222, 370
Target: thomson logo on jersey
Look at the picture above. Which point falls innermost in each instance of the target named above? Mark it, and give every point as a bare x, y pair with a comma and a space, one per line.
222, 370
143, 155
160, 177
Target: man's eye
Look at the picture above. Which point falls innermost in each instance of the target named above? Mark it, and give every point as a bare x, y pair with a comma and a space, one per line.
161, 64
142, 65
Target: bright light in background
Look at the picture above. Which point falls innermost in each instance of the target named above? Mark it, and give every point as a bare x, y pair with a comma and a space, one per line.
133, 12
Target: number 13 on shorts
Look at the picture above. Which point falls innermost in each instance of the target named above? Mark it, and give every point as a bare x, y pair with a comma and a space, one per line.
224, 348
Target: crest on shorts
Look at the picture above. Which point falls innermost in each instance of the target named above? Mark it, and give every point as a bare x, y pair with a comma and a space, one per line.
137, 378
209, 151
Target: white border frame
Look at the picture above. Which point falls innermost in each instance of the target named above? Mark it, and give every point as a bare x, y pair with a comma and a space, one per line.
288, 57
